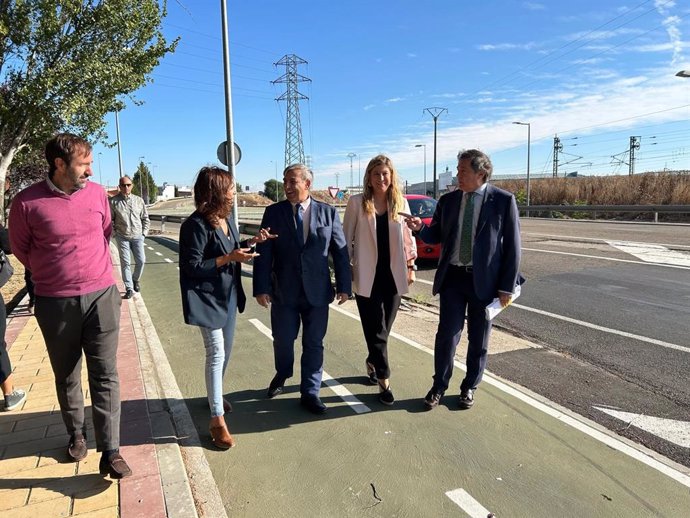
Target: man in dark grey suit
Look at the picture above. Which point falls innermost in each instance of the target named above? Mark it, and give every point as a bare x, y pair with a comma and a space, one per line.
291, 274
479, 231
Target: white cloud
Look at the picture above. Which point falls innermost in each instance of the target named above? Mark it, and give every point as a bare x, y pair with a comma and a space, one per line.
533, 6
394, 100
411, 55
369, 107
507, 46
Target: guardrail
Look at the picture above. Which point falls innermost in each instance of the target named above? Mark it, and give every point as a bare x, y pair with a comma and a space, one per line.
594, 209
250, 227
250, 216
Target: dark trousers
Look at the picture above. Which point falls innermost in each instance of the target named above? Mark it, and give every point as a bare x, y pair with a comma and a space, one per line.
457, 296
29, 286
285, 321
377, 314
88, 323
5, 365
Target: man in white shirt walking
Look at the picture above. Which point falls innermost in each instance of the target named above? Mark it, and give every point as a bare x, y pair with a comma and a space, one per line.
130, 226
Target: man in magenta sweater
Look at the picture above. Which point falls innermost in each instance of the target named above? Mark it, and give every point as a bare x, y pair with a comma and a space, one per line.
60, 230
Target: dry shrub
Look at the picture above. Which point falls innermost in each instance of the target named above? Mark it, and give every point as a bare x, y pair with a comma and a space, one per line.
661, 188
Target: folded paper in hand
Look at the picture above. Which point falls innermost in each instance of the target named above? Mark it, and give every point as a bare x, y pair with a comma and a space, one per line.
495, 307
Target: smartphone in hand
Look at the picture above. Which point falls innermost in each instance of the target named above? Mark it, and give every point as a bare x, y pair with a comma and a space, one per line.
405, 215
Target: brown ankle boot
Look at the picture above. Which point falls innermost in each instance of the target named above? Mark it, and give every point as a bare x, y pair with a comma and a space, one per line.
221, 435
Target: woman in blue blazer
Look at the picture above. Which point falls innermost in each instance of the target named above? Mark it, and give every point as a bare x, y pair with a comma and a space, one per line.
211, 254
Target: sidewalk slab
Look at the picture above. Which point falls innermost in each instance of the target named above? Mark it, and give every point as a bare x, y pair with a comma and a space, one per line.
38, 479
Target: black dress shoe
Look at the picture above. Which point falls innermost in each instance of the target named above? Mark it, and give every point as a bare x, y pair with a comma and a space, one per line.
313, 404
276, 386
77, 449
114, 465
128, 294
136, 286
432, 399
466, 399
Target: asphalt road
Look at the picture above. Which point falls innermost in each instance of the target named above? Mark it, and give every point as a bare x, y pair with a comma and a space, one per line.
620, 326
510, 454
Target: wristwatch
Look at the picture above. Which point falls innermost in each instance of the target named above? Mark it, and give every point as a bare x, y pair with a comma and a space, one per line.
412, 267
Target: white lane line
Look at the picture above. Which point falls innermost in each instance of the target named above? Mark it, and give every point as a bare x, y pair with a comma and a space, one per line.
347, 396
468, 504
167, 260
551, 409
560, 237
665, 265
640, 338
150, 247
158, 253
605, 329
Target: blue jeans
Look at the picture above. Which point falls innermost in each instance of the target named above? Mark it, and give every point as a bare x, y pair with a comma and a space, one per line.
136, 245
218, 343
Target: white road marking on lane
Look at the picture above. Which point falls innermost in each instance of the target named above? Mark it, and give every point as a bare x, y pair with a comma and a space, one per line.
608, 258
640, 338
158, 253
468, 504
550, 408
671, 430
168, 260
150, 247
347, 396
605, 329
597, 239
653, 253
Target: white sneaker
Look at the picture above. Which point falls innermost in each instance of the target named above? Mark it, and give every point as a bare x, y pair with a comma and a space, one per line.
14, 399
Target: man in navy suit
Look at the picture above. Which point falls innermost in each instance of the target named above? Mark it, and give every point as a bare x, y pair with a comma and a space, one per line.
479, 231
291, 274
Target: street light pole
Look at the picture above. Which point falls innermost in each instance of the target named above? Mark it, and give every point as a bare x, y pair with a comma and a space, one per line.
141, 171
229, 142
529, 145
435, 113
352, 179
119, 145
424, 146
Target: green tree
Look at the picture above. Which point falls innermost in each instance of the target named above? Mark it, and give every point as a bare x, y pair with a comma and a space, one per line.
64, 64
143, 181
273, 190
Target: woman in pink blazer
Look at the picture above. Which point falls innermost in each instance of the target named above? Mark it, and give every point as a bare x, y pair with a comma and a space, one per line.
382, 253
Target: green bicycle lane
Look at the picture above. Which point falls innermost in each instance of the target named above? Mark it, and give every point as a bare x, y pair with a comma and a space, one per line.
511, 454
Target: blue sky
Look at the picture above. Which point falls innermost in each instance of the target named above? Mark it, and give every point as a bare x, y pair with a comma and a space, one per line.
594, 73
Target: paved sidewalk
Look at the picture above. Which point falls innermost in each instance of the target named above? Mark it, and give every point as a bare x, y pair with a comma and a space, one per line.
36, 476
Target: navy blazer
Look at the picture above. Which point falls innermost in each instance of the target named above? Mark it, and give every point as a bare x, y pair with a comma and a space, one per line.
496, 248
205, 287
283, 269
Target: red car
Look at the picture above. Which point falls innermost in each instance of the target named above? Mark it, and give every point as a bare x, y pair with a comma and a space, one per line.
424, 207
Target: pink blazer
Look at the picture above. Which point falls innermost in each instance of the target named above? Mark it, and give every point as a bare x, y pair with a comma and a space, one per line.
360, 234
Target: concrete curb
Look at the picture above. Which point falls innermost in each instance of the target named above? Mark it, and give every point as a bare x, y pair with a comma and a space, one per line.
195, 494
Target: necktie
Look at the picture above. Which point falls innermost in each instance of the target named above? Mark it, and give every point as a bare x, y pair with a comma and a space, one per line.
299, 224
466, 231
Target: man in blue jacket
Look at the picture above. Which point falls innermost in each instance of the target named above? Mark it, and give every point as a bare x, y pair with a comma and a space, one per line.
291, 274
479, 231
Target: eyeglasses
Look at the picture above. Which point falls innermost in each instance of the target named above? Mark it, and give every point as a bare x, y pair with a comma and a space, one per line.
125, 185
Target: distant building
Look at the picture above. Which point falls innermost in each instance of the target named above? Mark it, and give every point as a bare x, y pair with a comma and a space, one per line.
166, 192
184, 191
